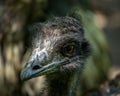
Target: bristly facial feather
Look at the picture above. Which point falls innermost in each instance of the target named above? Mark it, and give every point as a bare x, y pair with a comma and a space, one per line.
59, 43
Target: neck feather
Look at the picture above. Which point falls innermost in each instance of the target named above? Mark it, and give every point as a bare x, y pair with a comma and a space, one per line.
63, 84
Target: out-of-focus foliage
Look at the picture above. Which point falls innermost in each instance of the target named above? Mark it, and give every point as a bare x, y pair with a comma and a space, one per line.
97, 65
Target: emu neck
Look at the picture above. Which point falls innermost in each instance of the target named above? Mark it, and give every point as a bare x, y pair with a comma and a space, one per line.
63, 84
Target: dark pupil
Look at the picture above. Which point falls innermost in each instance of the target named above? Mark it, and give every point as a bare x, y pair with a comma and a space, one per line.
68, 49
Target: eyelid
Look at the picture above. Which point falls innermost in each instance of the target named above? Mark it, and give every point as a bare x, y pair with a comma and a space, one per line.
72, 43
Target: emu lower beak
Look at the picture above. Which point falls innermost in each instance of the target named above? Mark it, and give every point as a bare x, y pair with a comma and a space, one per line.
34, 69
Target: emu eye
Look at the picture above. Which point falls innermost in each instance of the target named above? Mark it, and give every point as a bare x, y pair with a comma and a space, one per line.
68, 49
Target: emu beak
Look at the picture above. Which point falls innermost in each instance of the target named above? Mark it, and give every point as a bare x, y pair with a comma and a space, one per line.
34, 69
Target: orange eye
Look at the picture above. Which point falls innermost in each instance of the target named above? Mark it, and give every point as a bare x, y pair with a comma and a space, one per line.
68, 49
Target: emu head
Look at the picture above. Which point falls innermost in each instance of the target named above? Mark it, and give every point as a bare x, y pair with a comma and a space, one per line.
59, 46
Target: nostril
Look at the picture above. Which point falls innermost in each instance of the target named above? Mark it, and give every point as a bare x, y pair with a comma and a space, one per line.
36, 67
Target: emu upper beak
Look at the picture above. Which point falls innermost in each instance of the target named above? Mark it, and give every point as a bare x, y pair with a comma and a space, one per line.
34, 69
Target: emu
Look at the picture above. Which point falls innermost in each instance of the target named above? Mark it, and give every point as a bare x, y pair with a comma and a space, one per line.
60, 52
